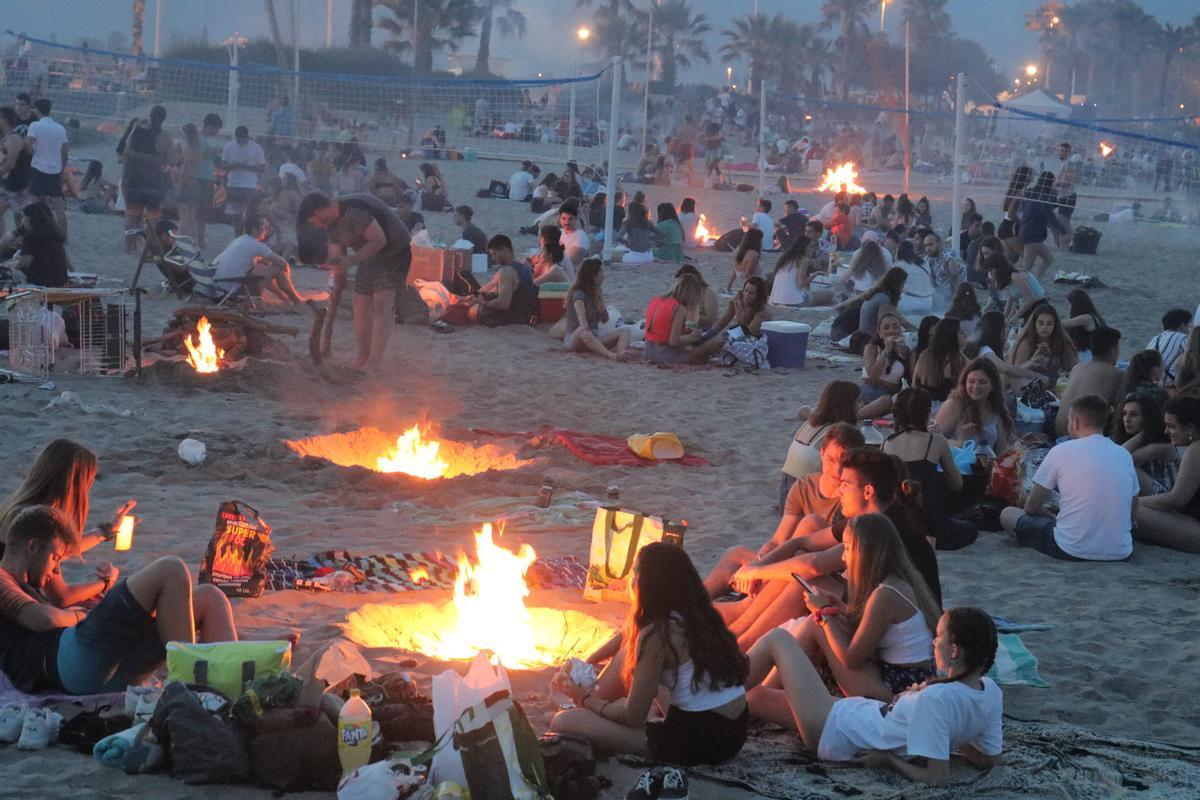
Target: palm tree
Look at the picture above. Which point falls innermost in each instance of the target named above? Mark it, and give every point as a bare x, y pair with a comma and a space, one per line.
139, 21
928, 22
615, 25
510, 23
441, 25
1172, 41
750, 38
678, 37
1047, 21
1133, 32
361, 22
850, 18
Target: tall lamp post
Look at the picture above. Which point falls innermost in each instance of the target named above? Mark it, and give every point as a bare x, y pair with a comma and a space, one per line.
584, 34
233, 44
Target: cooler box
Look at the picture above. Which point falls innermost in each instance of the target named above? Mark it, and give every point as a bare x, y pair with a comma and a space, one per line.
552, 299
787, 343
437, 264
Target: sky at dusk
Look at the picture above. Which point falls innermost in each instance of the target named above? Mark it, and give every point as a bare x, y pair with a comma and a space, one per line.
996, 24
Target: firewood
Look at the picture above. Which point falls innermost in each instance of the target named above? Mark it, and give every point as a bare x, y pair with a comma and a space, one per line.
217, 315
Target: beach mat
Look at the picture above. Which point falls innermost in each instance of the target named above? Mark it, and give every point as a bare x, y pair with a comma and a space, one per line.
11, 695
596, 449
1042, 760
408, 572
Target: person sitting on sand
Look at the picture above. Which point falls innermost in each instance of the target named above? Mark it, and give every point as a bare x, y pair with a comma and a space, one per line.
704, 315
1176, 325
413, 220
964, 307
668, 340
960, 714
470, 231
1082, 320
670, 247
746, 259
839, 401
884, 366
574, 238
1043, 346
552, 264
1172, 519
939, 366
990, 335
48, 645
673, 638
976, 409
744, 313
509, 297
879, 642
883, 297
1099, 376
387, 185
586, 311
1098, 493
639, 235
249, 256
792, 280
870, 483
1023, 288
1141, 428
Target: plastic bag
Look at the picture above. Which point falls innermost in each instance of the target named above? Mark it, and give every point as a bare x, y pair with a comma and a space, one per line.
964, 457
236, 559
205, 747
452, 695
396, 777
1005, 483
421, 239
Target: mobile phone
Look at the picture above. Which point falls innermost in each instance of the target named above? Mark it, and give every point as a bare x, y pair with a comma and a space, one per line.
731, 596
808, 587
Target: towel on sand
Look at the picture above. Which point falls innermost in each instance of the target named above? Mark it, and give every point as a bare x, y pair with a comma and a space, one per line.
10, 694
1015, 665
111, 750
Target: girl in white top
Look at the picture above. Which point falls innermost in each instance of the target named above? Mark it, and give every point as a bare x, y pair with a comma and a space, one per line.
867, 266
675, 639
839, 402
959, 714
881, 642
918, 289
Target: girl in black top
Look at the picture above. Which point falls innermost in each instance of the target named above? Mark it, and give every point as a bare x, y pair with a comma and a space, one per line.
43, 248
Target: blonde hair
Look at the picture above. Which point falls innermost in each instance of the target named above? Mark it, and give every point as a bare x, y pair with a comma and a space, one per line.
61, 477
878, 555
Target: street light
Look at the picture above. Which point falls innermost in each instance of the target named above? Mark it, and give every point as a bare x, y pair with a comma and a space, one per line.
583, 33
882, 12
728, 75
1031, 70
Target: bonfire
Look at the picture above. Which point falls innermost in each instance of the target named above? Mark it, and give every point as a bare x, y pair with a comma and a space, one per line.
205, 357
841, 178
703, 236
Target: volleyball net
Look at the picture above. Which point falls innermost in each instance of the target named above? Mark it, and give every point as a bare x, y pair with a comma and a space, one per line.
549, 119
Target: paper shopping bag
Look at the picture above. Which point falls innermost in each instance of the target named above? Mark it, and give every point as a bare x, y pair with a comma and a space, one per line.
452, 695
617, 536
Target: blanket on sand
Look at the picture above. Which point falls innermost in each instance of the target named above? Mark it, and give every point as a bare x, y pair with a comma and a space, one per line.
1041, 759
596, 449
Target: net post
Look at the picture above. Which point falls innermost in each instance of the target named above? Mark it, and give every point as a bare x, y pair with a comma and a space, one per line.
571, 123
614, 116
231, 97
960, 115
907, 114
762, 140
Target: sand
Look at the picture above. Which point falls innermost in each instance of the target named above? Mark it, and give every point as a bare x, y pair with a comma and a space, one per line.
1117, 659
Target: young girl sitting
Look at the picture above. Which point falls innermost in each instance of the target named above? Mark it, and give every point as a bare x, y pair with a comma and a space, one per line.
1142, 430
1043, 347
976, 409
639, 235
839, 402
552, 264
585, 313
673, 638
96, 195
961, 713
885, 365
745, 260
792, 284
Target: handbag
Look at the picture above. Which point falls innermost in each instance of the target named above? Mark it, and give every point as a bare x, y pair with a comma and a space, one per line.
617, 536
742, 349
452, 695
500, 754
226, 666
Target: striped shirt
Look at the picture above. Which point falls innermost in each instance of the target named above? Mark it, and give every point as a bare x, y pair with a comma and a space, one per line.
1171, 345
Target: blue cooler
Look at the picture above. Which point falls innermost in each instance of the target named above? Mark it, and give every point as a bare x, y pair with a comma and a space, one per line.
787, 343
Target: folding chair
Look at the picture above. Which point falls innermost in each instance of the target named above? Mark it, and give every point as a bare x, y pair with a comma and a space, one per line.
238, 292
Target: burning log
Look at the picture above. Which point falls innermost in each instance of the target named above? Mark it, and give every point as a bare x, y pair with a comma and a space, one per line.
210, 338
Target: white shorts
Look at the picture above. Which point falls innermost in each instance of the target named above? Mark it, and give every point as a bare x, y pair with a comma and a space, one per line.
847, 714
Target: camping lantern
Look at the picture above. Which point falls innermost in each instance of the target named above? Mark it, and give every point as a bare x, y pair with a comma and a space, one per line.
125, 533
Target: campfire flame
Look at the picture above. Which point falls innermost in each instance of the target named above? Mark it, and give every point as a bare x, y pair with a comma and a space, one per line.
1106, 149
414, 455
702, 233
206, 357
488, 612
418, 574
841, 179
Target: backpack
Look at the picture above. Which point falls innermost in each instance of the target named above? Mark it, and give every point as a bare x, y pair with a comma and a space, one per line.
571, 767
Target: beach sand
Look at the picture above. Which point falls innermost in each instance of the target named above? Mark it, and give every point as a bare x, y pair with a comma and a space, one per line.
1116, 660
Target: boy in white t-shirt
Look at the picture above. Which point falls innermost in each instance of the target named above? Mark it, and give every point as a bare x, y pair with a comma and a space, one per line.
762, 220
245, 161
1098, 489
249, 255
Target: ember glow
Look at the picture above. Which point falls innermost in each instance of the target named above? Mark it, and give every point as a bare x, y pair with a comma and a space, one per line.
204, 357
1106, 149
418, 451
841, 179
488, 612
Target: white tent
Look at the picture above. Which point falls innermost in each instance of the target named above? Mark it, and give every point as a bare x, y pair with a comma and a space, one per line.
1036, 102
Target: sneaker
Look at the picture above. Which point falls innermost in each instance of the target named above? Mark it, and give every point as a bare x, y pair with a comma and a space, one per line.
12, 717
40, 729
146, 704
647, 787
674, 784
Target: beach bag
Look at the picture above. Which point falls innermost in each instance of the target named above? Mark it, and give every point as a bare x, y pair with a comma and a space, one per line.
295, 749
433, 201
236, 559
497, 189
730, 241
617, 536
740, 349
499, 750
452, 695
1005, 482
204, 746
226, 666
571, 767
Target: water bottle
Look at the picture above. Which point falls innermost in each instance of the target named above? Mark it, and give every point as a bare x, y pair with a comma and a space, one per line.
354, 733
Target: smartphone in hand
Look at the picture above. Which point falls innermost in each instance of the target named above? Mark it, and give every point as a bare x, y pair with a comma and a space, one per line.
808, 587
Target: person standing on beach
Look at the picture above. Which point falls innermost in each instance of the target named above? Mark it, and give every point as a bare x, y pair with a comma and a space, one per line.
245, 161
48, 142
379, 245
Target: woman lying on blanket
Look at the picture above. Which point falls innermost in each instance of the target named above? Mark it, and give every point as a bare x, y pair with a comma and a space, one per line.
673, 638
881, 641
959, 713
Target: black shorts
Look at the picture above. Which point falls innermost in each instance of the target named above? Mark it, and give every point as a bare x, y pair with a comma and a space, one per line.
145, 193
383, 273
43, 185
1007, 229
686, 738
197, 193
1066, 205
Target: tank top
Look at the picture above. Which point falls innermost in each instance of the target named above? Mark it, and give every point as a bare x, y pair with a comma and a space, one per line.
933, 484
524, 299
804, 453
658, 319
1081, 337
907, 642
706, 698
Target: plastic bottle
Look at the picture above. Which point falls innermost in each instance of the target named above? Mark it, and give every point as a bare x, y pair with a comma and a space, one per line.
354, 733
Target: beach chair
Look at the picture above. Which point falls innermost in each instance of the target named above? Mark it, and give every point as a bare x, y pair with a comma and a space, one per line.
242, 293
174, 262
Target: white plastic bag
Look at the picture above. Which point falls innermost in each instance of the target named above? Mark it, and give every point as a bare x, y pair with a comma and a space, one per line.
452, 695
192, 451
384, 780
421, 239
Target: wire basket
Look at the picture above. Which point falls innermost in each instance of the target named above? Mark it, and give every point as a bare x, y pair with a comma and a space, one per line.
30, 333
103, 325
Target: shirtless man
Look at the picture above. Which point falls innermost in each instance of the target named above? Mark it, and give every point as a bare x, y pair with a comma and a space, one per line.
1099, 376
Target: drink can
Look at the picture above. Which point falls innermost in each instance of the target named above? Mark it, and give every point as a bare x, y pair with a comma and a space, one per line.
545, 495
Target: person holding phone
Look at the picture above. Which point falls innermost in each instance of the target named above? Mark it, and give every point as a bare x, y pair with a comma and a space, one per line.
880, 641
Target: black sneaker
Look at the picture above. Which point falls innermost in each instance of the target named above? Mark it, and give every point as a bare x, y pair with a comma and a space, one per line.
673, 784
648, 786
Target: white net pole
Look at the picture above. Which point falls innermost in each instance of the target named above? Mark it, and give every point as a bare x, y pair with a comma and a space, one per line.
762, 143
960, 114
614, 118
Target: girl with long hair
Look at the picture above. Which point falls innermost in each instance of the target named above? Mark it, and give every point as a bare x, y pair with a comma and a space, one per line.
1024, 290
991, 342
918, 290
924, 334
190, 158
1081, 321
866, 267
924, 214
964, 307
968, 211
745, 311
673, 638
43, 247
586, 311
1009, 231
1038, 217
670, 247
1144, 376
551, 264
939, 366
906, 212
966, 708
976, 409
1172, 519
885, 366
705, 314
434, 196
791, 281
668, 341
885, 294
880, 641
96, 195
145, 150
639, 235
1044, 347
746, 259
839, 401
1141, 428
1187, 370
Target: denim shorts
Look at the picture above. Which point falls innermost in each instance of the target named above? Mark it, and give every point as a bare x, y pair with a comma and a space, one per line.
1038, 533
116, 645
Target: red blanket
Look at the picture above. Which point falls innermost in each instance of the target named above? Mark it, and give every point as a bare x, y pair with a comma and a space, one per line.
604, 450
